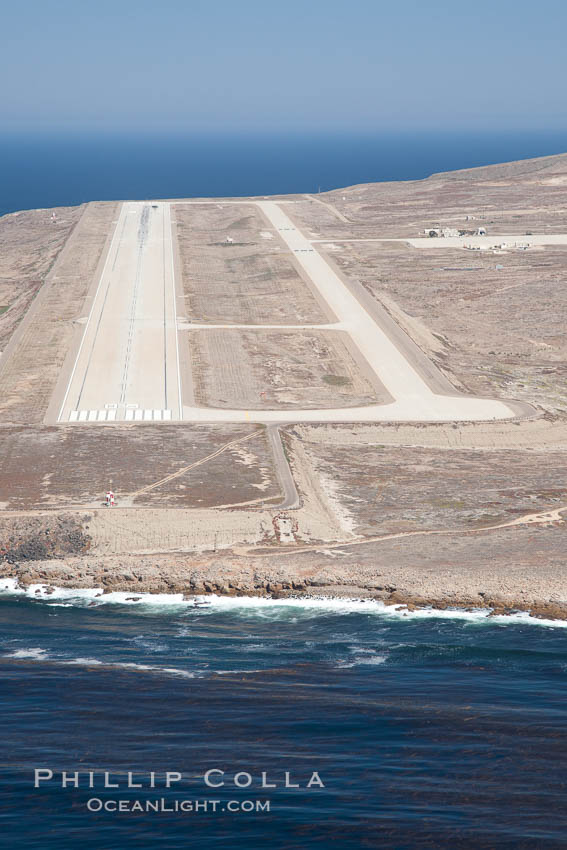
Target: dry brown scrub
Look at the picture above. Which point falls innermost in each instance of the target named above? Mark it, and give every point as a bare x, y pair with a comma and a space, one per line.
276, 369
248, 281
389, 490
31, 241
508, 198
65, 466
32, 365
494, 323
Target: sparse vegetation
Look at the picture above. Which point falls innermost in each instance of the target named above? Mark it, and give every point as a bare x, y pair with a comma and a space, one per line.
336, 380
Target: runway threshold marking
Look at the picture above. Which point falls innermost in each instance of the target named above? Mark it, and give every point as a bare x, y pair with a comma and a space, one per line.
113, 415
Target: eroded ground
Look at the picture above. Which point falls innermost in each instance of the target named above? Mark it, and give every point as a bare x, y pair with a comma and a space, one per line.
29, 376
509, 198
251, 280
31, 241
54, 468
493, 323
385, 490
276, 369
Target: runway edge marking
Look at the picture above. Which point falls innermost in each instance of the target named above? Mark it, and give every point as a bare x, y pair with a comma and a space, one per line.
87, 323
174, 294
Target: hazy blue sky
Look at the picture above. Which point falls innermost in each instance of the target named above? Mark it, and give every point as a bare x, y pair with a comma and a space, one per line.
298, 64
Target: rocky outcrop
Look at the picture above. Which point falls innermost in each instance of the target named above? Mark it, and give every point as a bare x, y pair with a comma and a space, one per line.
232, 575
42, 537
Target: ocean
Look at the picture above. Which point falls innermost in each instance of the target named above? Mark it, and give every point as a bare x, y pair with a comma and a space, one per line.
48, 170
425, 729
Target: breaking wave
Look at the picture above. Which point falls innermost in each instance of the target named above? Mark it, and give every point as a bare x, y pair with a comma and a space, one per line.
261, 607
36, 653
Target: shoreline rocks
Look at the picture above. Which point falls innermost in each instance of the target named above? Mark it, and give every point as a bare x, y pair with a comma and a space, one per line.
239, 576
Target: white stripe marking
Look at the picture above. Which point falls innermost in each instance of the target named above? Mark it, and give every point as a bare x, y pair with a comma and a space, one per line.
90, 315
175, 315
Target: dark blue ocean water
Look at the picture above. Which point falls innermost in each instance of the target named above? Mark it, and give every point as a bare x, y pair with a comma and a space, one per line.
40, 170
427, 731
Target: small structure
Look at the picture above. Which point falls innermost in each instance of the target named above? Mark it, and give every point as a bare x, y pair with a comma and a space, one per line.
444, 232
110, 499
229, 239
449, 232
285, 528
507, 246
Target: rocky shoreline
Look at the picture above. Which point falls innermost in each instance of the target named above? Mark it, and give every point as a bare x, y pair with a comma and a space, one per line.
235, 575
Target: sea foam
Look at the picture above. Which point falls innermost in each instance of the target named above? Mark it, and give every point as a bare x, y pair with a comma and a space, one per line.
36, 653
263, 607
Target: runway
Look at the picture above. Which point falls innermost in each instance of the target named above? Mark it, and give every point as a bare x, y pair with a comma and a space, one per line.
127, 365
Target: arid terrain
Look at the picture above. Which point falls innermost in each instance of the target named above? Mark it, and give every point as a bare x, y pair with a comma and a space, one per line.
286, 395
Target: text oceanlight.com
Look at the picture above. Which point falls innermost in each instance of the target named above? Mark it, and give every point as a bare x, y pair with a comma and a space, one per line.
95, 804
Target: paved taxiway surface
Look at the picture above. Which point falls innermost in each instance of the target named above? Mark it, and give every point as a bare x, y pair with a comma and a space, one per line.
426, 242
